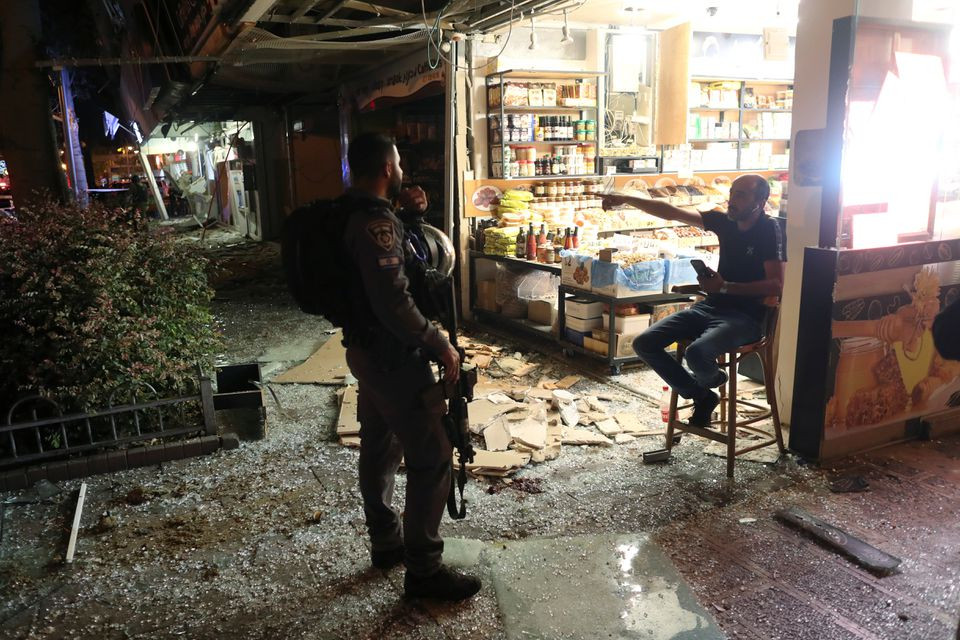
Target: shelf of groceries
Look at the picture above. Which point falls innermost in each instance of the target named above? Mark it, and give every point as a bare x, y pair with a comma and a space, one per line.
558, 267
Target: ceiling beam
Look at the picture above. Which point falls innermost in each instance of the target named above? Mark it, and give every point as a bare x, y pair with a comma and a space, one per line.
303, 9
379, 10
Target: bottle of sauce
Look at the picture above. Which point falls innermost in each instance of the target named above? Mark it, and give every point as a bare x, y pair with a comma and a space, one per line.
531, 253
542, 239
521, 249
567, 240
576, 238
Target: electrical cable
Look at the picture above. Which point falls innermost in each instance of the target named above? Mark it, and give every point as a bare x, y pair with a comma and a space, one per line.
441, 56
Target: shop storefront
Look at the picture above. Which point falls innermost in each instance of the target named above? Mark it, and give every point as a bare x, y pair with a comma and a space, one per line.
675, 114
407, 100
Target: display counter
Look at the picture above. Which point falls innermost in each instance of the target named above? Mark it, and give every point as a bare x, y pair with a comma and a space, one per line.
867, 372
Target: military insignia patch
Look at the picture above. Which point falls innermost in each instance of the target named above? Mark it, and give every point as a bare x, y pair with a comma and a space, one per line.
382, 232
389, 262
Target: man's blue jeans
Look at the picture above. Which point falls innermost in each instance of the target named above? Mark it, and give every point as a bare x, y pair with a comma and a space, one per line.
713, 332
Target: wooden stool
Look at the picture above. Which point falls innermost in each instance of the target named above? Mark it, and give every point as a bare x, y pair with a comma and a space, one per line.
728, 422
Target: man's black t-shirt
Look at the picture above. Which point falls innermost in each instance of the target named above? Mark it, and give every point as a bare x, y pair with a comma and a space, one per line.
742, 254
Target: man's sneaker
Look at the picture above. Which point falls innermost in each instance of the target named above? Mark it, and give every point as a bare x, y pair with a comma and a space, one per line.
445, 584
703, 410
388, 559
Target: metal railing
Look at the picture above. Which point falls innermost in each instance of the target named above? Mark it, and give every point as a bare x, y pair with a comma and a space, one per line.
48, 434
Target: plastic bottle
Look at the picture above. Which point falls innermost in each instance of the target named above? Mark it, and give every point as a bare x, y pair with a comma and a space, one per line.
665, 404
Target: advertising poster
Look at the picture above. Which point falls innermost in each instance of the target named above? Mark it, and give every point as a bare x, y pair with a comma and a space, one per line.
884, 365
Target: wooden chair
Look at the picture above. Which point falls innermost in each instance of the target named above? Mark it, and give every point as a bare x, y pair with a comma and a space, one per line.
727, 433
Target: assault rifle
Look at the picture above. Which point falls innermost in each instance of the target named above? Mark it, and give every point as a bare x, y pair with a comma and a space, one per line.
456, 421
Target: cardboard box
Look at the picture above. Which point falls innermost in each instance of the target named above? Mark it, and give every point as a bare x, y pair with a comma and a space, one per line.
574, 337
660, 311
623, 344
578, 308
624, 309
627, 324
609, 278
597, 346
575, 271
584, 325
542, 312
487, 296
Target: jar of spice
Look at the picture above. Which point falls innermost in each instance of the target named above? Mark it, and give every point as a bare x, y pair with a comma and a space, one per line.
539, 190
551, 189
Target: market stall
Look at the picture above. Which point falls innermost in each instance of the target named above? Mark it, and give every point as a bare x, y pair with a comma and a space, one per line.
550, 138
407, 99
867, 372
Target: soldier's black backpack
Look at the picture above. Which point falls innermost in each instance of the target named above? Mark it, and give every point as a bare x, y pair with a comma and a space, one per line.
315, 261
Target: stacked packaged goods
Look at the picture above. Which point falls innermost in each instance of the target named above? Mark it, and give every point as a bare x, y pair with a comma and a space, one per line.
500, 241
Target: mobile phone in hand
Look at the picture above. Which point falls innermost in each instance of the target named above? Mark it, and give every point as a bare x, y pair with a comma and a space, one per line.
702, 269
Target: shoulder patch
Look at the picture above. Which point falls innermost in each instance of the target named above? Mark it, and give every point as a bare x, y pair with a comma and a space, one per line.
382, 232
389, 262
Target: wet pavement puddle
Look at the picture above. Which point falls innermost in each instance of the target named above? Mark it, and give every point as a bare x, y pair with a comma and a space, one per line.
603, 586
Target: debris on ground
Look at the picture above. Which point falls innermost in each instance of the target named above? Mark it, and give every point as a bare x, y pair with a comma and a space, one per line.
524, 485
865, 554
328, 365
494, 463
347, 424
75, 529
136, 496
766, 455
657, 455
849, 484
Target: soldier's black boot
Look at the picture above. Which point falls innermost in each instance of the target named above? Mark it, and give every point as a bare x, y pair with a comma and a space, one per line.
445, 584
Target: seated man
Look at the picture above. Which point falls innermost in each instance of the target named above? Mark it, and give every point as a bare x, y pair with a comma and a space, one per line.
752, 256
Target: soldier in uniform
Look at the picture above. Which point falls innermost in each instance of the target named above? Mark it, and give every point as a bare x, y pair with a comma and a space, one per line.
389, 348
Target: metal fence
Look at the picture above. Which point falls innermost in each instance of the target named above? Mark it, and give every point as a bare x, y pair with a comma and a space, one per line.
35, 428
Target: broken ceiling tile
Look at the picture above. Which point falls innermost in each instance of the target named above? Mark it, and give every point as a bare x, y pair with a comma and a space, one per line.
531, 433
496, 436
595, 404
567, 382
573, 435
482, 361
483, 412
347, 424
609, 427
623, 438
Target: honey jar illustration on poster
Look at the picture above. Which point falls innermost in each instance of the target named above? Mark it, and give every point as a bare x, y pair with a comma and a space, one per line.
887, 367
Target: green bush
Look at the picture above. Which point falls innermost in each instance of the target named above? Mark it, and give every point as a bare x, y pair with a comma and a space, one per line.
91, 299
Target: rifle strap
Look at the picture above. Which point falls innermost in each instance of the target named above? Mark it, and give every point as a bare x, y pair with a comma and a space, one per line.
457, 480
